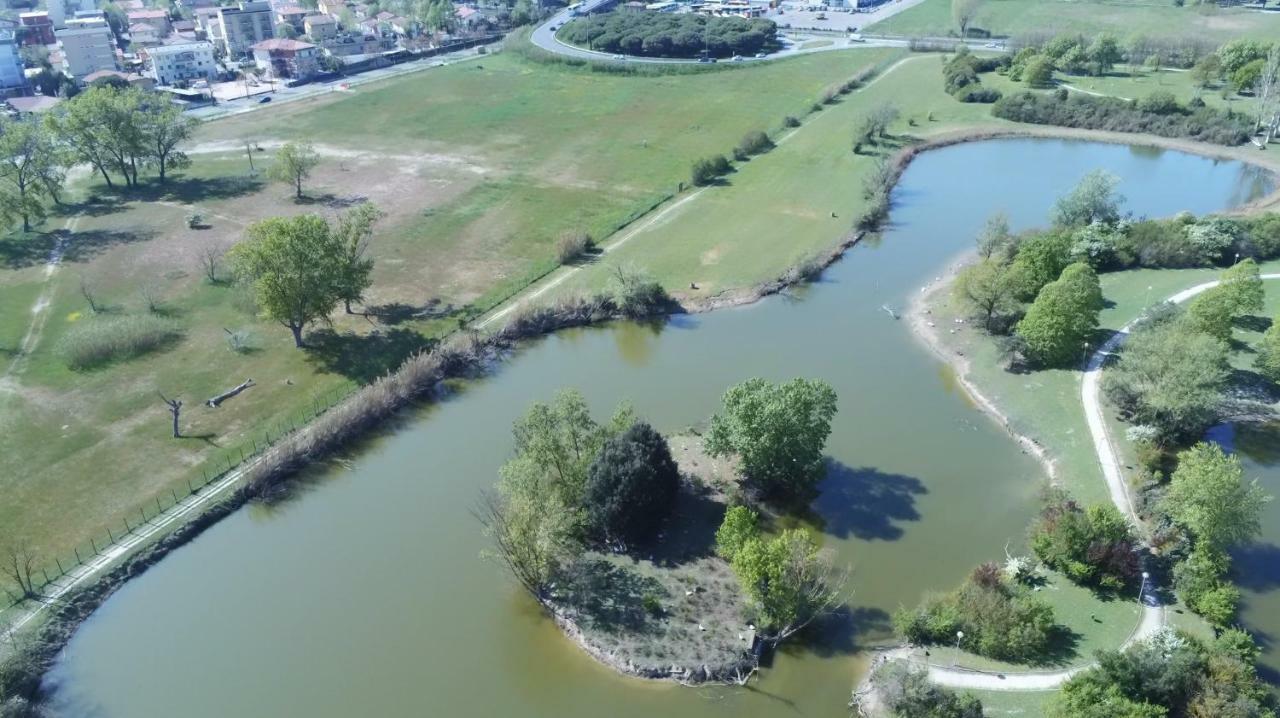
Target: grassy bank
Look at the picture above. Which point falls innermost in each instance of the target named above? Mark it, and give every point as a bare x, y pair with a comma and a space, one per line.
1153, 19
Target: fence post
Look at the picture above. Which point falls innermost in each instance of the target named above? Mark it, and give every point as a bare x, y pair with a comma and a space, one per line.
46, 577
189, 489
158, 509
61, 570
111, 535
78, 559
127, 528
94, 544
175, 495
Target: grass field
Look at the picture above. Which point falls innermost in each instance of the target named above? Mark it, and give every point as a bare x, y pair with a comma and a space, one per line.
1010, 18
480, 168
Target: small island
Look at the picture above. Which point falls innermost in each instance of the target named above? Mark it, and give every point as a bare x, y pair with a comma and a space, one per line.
657, 555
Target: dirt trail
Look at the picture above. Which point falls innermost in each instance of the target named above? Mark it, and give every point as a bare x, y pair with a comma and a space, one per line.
40, 309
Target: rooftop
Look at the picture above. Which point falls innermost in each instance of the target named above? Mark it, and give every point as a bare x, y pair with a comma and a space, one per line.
280, 43
38, 103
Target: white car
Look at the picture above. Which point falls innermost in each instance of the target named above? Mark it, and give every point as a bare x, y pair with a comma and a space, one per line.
737, 58
619, 57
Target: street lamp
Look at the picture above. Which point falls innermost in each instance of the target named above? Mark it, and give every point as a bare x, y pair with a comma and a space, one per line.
1084, 356
1146, 303
956, 656
1143, 589
1237, 258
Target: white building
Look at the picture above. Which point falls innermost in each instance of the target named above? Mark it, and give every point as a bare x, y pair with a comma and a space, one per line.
12, 78
87, 46
172, 64
245, 26
59, 10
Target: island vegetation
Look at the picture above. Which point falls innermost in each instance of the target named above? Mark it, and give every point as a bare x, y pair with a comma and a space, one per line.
665, 567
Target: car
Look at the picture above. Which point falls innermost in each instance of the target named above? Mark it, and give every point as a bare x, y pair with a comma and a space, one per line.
619, 57
760, 55
738, 58
264, 100
992, 45
704, 59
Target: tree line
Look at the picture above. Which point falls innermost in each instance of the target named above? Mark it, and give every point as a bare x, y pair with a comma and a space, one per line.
657, 34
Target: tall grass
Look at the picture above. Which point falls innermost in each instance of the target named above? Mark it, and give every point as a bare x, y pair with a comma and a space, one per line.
100, 340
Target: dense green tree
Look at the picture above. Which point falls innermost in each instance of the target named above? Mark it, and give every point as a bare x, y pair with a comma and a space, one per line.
1209, 496
1213, 313
1063, 317
1201, 581
907, 692
294, 265
1105, 52
778, 431
1039, 72
31, 168
293, 164
1242, 282
164, 126
788, 581
1238, 53
1169, 377
740, 525
1246, 78
989, 289
1041, 258
631, 485
353, 232
1207, 70
1094, 199
658, 34
1268, 362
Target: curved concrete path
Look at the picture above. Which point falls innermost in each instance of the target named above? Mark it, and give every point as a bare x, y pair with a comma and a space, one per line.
1109, 459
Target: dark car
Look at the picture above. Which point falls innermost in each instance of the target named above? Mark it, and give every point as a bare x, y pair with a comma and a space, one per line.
264, 100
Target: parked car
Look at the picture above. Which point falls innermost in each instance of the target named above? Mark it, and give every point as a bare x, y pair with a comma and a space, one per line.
737, 58
760, 55
619, 57
263, 100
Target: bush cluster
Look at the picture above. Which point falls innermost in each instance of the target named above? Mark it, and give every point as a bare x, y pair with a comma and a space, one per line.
655, 34
1095, 547
572, 246
960, 76
908, 693
999, 619
709, 169
100, 340
1112, 114
753, 143
631, 485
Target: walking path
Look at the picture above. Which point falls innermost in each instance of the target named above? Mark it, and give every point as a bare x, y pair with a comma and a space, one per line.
1109, 459
40, 309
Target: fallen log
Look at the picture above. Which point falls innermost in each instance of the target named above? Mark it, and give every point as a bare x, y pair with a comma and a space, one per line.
215, 401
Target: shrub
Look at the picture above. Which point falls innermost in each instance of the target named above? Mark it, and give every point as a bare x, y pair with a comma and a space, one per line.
908, 693
978, 94
709, 169
1112, 114
1160, 102
636, 294
755, 142
631, 485
1063, 316
572, 246
1000, 620
654, 34
101, 340
1094, 547
740, 525
790, 121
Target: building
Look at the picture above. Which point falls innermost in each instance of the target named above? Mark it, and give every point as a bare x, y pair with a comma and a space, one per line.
142, 33
292, 59
292, 15
13, 80
349, 45
320, 27
159, 19
182, 63
87, 46
35, 28
60, 10
33, 105
242, 27
133, 79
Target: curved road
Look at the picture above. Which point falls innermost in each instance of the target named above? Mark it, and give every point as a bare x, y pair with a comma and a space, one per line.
1109, 460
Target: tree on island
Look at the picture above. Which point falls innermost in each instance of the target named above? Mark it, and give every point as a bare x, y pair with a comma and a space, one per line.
293, 165
1209, 496
1063, 317
778, 431
789, 582
631, 485
990, 290
1094, 199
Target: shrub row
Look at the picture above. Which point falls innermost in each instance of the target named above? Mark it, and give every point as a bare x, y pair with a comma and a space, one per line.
1108, 113
655, 34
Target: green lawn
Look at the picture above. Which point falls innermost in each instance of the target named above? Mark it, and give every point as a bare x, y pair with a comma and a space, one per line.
1153, 19
480, 167
1022, 704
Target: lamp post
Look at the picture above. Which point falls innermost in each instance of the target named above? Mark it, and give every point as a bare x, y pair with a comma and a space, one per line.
1237, 258
956, 656
1084, 357
1146, 303
1143, 589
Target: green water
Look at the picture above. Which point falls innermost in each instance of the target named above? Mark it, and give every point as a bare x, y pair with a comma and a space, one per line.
366, 596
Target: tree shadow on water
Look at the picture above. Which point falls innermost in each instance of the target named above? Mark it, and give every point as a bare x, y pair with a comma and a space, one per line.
866, 503
841, 633
1257, 567
363, 357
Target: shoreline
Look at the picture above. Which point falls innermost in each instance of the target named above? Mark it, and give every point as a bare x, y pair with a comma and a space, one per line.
303, 448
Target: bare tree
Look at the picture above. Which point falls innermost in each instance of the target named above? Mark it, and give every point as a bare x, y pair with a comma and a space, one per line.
19, 567
210, 260
90, 293
175, 408
963, 13
248, 150
1268, 97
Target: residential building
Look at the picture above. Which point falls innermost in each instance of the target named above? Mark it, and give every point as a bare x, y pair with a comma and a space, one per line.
282, 58
144, 34
182, 63
242, 27
32, 105
61, 10
332, 7
320, 27
134, 79
159, 19
292, 15
36, 28
13, 81
87, 46
346, 45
